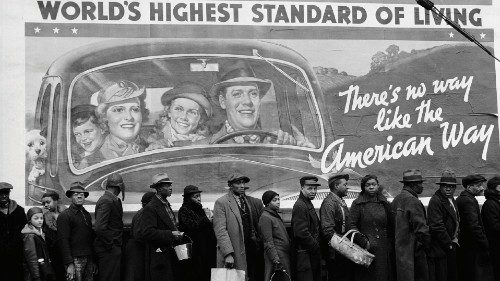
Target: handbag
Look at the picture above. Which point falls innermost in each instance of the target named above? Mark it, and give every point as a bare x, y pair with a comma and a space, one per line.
47, 273
351, 250
225, 274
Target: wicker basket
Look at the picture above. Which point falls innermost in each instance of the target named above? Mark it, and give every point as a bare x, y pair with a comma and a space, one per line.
351, 250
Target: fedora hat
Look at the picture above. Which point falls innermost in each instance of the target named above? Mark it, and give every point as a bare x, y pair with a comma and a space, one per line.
412, 175
119, 91
188, 90
76, 187
239, 73
191, 189
115, 179
159, 178
448, 177
336, 177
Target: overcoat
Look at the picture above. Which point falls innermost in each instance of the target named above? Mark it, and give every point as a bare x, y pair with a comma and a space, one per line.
443, 222
134, 253
154, 228
491, 219
276, 241
11, 241
228, 228
35, 248
412, 237
474, 263
108, 222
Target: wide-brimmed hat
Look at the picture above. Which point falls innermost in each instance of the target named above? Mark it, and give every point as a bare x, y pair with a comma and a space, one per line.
115, 179
5, 185
412, 175
119, 91
332, 179
76, 187
472, 179
160, 178
448, 177
239, 73
188, 90
191, 189
234, 177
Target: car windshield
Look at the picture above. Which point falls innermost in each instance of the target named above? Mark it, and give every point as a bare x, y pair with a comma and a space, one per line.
151, 105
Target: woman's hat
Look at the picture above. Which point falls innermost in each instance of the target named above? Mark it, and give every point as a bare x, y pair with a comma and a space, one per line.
268, 196
190, 189
449, 178
119, 91
188, 90
412, 175
239, 73
32, 211
76, 187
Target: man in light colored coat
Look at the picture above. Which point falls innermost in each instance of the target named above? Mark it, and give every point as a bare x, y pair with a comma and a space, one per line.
235, 224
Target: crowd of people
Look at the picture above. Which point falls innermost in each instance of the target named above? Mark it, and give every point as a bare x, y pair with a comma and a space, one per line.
451, 240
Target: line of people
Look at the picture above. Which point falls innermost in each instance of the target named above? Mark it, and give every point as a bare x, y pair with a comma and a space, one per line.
451, 240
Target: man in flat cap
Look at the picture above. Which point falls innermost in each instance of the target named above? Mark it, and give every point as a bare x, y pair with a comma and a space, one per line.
76, 236
491, 219
443, 220
236, 218
334, 215
474, 261
157, 229
412, 237
306, 231
12, 221
239, 92
109, 229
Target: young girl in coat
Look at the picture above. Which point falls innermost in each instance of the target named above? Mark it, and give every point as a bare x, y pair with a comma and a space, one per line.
36, 263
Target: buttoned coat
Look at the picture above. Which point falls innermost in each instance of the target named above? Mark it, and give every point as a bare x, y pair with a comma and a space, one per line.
228, 228
334, 216
412, 237
75, 233
154, 228
108, 222
443, 222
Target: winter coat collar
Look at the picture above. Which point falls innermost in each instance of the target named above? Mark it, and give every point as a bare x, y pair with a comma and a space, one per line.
492, 195
364, 198
271, 212
11, 206
467, 193
29, 229
409, 190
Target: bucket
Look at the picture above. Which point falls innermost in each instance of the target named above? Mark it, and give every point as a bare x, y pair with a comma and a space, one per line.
184, 251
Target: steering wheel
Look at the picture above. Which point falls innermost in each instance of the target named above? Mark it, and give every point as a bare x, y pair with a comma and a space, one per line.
262, 134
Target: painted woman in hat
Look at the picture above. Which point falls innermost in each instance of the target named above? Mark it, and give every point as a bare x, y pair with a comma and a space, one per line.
121, 110
187, 110
196, 225
89, 135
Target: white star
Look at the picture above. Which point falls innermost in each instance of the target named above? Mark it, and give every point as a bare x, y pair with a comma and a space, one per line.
56, 30
74, 30
37, 29
482, 35
451, 34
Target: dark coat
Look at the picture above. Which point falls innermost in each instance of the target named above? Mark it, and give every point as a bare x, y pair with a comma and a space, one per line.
154, 228
35, 248
334, 215
411, 237
75, 233
491, 219
11, 242
108, 222
443, 222
53, 244
194, 222
305, 228
373, 218
276, 242
134, 253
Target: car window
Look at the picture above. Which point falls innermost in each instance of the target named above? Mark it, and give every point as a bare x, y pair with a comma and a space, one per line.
151, 105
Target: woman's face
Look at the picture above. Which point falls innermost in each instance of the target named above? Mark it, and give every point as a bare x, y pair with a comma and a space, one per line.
184, 115
371, 187
124, 119
37, 220
196, 198
88, 135
275, 203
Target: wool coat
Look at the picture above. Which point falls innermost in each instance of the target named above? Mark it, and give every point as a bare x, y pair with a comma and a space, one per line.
411, 236
108, 222
474, 261
195, 224
154, 229
306, 232
35, 248
11, 241
228, 228
491, 219
334, 215
53, 244
75, 233
134, 253
277, 245
373, 218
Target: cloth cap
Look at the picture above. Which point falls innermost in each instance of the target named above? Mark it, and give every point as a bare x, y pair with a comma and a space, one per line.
191, 189
236, 177
120, 91
159, 178
309, 180
268, 196
336, 177
493, 182
76, 187
472, 179
190, 91
412, 175
147, 197
448, 177
5, 185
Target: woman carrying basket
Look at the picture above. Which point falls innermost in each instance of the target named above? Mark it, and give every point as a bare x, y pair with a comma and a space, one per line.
370, 215
275, 238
